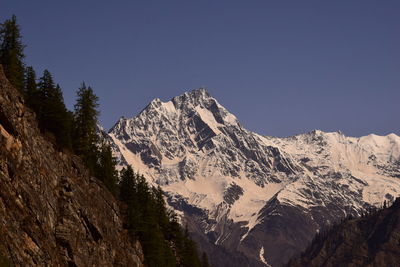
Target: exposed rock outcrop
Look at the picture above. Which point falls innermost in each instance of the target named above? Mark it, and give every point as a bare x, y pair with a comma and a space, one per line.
52, 212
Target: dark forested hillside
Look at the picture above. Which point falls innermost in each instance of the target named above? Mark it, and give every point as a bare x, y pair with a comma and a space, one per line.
53, 212
373, 240
147, 218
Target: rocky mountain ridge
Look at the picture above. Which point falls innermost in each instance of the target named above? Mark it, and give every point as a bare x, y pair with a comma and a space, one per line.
372, 240
52, 212
255, 196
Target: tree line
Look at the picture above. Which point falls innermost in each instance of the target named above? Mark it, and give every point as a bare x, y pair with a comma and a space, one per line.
147, 218
164, 241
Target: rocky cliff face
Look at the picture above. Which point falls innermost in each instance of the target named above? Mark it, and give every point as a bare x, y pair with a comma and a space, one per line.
52, 213
250, 199
369, 241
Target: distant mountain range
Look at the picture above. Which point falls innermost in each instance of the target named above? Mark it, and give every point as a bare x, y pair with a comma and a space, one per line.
252, 200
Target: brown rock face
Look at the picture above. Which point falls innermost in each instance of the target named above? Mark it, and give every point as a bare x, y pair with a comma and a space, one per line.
52, 213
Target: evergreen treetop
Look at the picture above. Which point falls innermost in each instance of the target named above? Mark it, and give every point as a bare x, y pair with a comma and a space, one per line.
31, 91
106, 170
127, 185
11, 52
52, 114
85, 122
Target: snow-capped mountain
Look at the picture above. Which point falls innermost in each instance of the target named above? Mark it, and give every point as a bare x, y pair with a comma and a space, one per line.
250, 199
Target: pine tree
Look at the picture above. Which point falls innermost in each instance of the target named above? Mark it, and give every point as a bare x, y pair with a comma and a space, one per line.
52, 114
106, 169
128, 195
31, 91
11, 52
85, 122
160, 209
127, 185
189, 254
46, 95
143, 196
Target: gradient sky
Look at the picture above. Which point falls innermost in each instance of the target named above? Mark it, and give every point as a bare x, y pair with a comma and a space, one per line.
282, 67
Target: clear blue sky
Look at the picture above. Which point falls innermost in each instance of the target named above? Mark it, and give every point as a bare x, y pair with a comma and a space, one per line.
282, 67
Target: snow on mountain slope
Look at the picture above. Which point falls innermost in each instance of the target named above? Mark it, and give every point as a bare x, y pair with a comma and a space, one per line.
193, 146
368, 164
201, 156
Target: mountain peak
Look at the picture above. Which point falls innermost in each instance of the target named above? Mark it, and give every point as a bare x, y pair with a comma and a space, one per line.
199, 93
197, 97
197, 101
